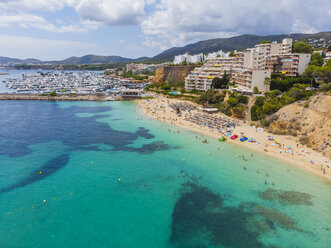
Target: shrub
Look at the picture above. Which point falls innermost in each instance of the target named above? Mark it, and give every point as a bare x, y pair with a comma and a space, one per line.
256, 90
225, 108
233, 102
259, 101
242, 99
166, 87
269, 108
239, 112
253, 113
265, 123
53, 93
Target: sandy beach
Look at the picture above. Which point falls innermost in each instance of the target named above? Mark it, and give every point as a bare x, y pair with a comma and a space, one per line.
283, 147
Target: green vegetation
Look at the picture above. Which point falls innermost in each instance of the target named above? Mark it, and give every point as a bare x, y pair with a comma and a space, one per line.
256, 90
130, 74
319, 75
274, 100
234, 105
53, 93
232, 53
221, 83
265, 42
316, 59
165, 87
283, 83
302, 47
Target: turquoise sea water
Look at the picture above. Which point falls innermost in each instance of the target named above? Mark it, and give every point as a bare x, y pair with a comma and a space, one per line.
111, 177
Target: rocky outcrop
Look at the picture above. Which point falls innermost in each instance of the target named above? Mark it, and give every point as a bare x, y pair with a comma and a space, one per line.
309, 121
172, 75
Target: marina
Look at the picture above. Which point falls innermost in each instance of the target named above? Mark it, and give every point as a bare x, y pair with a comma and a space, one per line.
64, 82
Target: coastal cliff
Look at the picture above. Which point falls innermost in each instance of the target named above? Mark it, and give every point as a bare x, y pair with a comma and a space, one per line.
310, 121
172, 75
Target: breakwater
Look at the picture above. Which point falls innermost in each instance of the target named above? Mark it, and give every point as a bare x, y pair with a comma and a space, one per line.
38, 97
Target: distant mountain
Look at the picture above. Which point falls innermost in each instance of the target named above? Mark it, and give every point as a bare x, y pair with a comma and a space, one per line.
6, 60
87, 59
233, 43
90, 59
206, 46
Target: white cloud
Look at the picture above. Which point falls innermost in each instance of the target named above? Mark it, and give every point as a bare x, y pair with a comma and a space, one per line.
178, 22
26, 5
28, 20
26, 47
110, 12
91, 13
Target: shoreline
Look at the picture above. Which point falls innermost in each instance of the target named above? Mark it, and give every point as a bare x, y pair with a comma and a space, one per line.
38, 97
158, 109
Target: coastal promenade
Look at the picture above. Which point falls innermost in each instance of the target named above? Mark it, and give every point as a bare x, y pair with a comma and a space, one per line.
66, 97
283, 147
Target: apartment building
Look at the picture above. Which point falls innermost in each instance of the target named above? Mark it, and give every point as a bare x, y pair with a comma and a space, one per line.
255, 58
201, 77
140, 68
189, 58
250, 78
248, 69
291, 65
327, 57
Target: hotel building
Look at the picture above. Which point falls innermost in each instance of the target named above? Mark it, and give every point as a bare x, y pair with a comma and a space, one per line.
291, 65
248, 69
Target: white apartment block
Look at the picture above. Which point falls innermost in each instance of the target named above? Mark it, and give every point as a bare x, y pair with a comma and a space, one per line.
201, 78
217, 54
189, 58
249, 68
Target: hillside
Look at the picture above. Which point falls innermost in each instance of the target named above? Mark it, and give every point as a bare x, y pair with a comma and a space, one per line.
233, 43
310, 121
91, 59
6, 60
206, 46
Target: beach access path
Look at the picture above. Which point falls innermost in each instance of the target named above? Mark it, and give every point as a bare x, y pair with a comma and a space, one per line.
287, 148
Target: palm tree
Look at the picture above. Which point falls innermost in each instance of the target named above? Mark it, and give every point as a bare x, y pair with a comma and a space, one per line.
267, 82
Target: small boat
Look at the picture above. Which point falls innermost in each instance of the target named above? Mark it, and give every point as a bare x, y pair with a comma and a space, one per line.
205, 141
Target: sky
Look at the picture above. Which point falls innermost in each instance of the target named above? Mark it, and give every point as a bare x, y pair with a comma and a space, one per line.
57, 29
